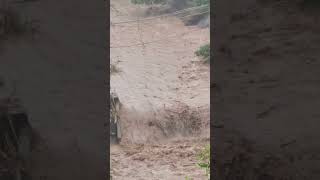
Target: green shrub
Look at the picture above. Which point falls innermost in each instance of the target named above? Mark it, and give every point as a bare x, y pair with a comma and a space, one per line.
204, 52
204, 158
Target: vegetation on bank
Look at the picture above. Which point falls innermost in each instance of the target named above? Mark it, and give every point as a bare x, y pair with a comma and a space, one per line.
204, 158
204, 161
204, 53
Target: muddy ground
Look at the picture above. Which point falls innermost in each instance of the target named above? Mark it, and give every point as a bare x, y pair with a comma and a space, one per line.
159, 75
